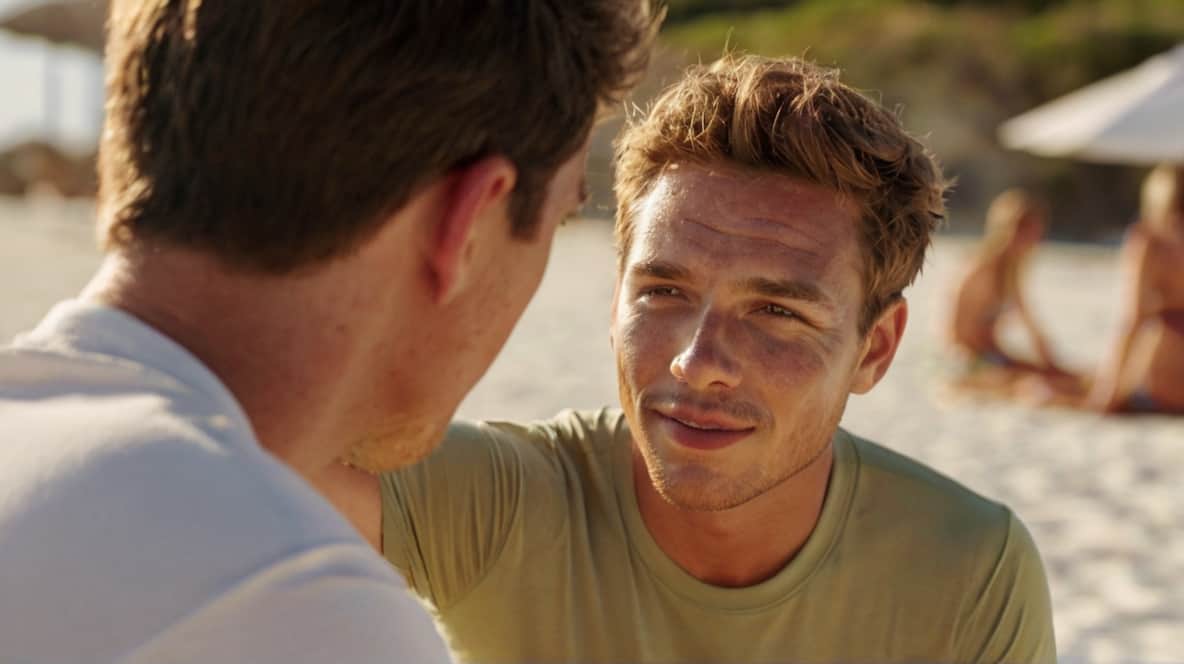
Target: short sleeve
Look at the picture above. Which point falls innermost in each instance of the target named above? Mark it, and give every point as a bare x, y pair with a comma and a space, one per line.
446, 519
1012, 622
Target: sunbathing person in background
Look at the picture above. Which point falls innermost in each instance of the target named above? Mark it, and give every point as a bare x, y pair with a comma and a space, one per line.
1144, 369
989, 291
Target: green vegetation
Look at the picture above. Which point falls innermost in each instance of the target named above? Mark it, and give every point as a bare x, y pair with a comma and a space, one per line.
680, 11
957, 68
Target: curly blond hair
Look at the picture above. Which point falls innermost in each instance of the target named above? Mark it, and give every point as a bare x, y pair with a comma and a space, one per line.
790, 117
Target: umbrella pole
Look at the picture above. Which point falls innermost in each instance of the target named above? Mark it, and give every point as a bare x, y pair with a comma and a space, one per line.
50, 96
98, 90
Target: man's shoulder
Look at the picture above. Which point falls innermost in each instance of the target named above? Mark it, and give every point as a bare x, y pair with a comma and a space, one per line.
181, 534
562, 461
499, 493
963, 567
149, 462
888, 475
904, 512
109, 445
333, 604
121, 490
148, 465
905, 505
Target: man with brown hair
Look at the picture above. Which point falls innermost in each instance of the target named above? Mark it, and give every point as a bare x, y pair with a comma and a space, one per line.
322, 220
769, 219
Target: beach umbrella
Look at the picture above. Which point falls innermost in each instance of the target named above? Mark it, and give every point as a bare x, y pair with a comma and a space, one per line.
78, 23
70, 22
1134, 117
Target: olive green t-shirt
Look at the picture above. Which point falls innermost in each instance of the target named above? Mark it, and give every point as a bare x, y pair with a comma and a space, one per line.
526, 542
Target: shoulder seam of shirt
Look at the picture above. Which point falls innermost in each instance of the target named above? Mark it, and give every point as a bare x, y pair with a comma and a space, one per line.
500, 547
989, 580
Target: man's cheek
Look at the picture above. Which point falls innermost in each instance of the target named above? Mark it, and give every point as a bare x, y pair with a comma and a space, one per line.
793, 365
640, 345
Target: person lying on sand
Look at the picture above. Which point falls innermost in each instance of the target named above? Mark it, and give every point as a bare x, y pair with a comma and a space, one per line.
1143, 370
770, 218
990, 290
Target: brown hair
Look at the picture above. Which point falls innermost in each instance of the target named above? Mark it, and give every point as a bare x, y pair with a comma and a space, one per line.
279, 134
791, 117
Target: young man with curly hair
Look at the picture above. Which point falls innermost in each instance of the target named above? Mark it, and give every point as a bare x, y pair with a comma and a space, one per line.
770, 218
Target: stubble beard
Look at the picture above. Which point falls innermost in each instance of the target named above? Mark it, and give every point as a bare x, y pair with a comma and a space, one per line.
400, 445
700, 488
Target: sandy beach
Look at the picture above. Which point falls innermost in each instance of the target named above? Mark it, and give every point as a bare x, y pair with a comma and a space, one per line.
1101, 495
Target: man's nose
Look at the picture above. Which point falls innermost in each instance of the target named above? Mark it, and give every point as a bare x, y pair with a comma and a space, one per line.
706, 363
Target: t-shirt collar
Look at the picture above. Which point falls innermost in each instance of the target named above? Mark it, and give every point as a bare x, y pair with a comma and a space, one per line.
774, 590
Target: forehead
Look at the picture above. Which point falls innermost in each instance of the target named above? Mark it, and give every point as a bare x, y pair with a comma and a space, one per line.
731, 219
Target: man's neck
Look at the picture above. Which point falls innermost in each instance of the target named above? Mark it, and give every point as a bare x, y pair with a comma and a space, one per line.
282, 346
744, 545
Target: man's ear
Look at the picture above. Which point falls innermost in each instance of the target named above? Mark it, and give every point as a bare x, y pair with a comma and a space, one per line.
880, 345
474, 194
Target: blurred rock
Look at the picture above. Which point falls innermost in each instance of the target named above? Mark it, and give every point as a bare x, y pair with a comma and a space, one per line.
36, 166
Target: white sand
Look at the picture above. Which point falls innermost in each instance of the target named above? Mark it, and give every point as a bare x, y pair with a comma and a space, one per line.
1101, 496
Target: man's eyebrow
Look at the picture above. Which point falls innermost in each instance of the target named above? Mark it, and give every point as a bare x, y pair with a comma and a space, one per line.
788, 290
660, 270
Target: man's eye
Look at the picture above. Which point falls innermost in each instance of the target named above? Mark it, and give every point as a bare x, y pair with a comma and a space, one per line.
660, 291
778, 311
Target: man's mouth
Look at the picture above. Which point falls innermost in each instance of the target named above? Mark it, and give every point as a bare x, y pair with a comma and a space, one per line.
706, 420
701, 430
698, 426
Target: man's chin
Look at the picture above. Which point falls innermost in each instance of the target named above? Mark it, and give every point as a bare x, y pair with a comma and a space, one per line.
694, 495
696, 487
399, 447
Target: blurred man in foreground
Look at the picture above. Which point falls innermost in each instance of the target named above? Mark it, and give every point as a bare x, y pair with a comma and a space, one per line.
770, 218
322, 220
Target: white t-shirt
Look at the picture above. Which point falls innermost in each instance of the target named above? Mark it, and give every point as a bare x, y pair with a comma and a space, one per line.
141, 521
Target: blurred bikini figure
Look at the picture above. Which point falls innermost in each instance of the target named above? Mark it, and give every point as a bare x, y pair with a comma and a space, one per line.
991, 289
1143, 371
